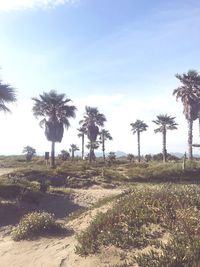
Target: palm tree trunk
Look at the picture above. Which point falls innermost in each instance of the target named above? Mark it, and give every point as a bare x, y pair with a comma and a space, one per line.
199, 123
90, 153
103, 149
53, 155
83, 147
138, 139
164, 146
190, 136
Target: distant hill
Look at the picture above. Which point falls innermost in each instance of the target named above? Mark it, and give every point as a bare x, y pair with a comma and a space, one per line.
180, 155
117, 153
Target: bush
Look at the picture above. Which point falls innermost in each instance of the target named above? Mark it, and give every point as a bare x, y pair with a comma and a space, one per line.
34, 224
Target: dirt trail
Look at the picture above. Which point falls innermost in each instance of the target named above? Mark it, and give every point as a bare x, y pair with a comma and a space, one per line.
59, 252
6, 170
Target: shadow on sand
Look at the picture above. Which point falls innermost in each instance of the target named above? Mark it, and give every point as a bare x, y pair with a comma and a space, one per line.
59, 205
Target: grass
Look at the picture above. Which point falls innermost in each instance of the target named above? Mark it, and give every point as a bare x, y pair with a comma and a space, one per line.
174, 209
164, 172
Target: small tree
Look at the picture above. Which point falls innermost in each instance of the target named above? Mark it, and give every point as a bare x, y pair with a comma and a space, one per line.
111, 157
130, 157
64, 155
148, 157
30, 152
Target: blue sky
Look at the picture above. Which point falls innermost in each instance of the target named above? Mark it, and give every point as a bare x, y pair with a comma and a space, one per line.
120, 56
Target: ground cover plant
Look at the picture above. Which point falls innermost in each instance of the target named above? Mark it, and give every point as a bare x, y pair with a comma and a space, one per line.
35, 224
172, 209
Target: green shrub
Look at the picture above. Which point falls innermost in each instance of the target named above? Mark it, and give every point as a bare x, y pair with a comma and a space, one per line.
35, 224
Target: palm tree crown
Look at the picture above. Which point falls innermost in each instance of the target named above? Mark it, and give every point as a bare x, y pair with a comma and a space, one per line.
53, 107
165, 122
105, 135
92, 116
138, 126
7, 95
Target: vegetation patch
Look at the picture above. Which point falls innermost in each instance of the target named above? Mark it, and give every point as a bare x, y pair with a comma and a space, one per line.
169, 208
35, 224
168, 172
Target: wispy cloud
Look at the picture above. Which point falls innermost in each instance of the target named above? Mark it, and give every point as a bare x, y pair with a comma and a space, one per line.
9, 5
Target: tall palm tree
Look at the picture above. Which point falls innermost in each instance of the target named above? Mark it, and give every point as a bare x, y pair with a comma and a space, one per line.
189, 93
104, 135
55, 110
72, 149
165, 123
137, 127
82, 132
7, 95
91, 122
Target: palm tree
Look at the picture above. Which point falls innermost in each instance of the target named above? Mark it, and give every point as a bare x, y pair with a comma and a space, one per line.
104, 135
165, 123
138, 127
7, 95
72, 149
91, 122
55, 111
189, 93
82, 133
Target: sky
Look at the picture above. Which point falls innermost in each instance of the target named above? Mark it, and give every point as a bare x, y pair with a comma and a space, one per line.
118, 55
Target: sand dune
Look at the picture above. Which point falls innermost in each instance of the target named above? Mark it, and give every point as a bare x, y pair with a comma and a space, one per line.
59, 251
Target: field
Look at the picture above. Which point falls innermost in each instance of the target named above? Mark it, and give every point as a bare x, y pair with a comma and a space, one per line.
107, 215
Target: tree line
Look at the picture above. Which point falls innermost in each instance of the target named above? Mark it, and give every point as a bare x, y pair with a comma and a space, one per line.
55, 110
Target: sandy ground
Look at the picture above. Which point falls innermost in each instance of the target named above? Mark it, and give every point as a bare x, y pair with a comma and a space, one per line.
6, 170
60, 251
